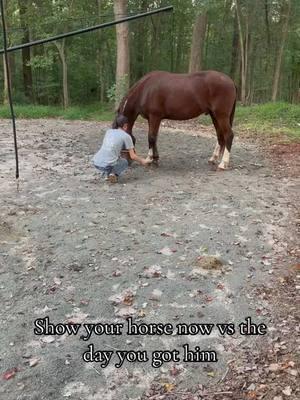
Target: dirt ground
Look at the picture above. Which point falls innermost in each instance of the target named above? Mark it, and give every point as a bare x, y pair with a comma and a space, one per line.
79, 250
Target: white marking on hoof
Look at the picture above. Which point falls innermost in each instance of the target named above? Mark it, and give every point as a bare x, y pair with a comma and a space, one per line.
225, 160
212, 160
222, 167
216, 154
149, 159
150, 153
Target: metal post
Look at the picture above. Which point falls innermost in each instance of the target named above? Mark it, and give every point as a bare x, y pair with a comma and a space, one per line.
85, 30
9, 89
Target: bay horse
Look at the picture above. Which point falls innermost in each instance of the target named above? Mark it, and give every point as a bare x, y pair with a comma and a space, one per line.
163, 95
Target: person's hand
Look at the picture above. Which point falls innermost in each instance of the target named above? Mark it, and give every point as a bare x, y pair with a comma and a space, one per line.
146, 162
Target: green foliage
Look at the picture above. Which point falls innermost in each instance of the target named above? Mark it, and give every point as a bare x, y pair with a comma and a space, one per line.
161, 42
91, 112
269, 118
111, 93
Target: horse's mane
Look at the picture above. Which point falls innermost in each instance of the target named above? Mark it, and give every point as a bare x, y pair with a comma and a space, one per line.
131, 92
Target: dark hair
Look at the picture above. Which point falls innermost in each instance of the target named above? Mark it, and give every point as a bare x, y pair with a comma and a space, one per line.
120, 121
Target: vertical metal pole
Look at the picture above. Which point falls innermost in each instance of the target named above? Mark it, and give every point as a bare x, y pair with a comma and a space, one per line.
9, 88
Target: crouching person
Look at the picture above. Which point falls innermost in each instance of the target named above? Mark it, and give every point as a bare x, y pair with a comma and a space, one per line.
108, 159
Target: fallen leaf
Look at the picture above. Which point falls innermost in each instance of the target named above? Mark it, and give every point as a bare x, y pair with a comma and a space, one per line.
168, 387
125, 312
152, 272
287, 391
57, 281
166, 251
141, 313
211, 374
296, 267
209, 262
10, 373
292, 372
274, 367
77, 318
34, 361
174, 371
252, 394
48, 339
156, 294
251, 387
126, 297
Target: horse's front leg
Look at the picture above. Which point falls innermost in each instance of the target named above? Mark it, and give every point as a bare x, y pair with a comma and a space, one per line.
129, 130
154, 123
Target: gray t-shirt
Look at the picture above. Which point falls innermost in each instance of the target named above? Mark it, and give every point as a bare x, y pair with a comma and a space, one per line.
114, 141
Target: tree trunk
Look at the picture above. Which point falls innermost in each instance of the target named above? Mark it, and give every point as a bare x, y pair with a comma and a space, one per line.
100, 80
140, 44
27, 72
5, 82
123, 67
62, 55
280, 51
235, 50
179, 40
243, 48
196, 57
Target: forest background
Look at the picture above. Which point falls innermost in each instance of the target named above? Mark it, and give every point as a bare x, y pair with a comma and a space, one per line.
255, 42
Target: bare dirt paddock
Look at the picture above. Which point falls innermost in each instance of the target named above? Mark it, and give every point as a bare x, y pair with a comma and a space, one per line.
81, 251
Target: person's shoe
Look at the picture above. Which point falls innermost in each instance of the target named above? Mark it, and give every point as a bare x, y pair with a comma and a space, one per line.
112, 178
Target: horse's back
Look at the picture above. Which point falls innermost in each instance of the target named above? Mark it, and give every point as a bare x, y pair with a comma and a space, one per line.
209, 83
182, 96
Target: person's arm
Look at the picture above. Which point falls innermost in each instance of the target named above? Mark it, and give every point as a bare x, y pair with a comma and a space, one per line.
140, 160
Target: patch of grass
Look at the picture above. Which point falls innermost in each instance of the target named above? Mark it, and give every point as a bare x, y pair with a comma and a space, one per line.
31, 111
272, 119
90, 112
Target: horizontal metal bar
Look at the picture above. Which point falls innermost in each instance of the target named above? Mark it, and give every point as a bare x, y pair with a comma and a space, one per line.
90, 29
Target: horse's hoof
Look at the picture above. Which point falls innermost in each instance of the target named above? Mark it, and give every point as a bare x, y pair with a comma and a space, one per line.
212, 161
149, 160
155, 162
222, 167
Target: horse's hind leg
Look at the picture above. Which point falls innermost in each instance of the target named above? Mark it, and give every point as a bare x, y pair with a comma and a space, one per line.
219, 148
215, 155
227, 135
154, 123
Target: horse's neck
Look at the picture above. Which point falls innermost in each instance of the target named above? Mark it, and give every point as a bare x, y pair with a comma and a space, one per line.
128, 104
124, 104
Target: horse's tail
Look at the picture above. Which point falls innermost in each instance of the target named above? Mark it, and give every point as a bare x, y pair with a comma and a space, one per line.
233, 108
